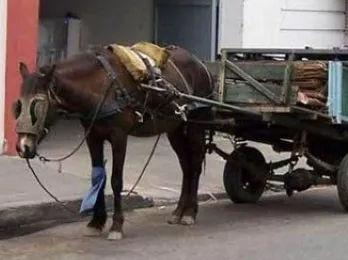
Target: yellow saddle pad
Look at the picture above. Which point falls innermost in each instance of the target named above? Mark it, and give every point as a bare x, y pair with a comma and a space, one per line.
131, 57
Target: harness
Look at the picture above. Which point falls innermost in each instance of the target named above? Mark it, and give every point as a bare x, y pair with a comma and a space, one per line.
123, 99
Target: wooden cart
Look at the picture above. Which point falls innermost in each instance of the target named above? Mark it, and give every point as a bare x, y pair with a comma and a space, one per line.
294, 100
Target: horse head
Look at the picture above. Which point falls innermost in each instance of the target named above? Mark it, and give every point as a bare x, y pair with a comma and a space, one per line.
33, 109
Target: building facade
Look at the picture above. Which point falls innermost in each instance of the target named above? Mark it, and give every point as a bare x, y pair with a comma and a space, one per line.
40, 32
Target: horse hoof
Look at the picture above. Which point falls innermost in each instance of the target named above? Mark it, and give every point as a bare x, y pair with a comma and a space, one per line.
92, 232
174, 220
115, 235
187, 221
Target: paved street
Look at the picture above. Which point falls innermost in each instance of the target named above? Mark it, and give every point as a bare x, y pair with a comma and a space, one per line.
310, 226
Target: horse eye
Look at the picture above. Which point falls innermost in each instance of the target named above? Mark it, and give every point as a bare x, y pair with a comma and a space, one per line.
16, 108
33, 110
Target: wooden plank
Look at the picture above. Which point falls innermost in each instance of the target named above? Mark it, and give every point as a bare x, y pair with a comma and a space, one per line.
315, 113
271, 71
261, 70
267, 70
253, 82
222, 76
243, 93
271, 109
257, 69
288, 76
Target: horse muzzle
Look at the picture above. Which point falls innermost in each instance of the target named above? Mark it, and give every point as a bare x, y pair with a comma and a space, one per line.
26, 146
30, 115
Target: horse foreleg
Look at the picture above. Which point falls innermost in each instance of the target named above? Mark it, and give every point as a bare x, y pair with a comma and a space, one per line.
95, 146
177, 140
119, 146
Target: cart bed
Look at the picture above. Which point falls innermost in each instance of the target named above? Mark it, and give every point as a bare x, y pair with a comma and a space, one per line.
309, 83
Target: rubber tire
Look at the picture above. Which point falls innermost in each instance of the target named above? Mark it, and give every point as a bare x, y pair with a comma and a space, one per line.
342, 183
233, 171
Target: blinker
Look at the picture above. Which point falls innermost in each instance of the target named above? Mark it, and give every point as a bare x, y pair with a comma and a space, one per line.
17, 108
31, 114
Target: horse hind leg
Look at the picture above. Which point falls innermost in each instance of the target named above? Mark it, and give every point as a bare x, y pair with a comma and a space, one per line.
95, 146
196, 147
189, 146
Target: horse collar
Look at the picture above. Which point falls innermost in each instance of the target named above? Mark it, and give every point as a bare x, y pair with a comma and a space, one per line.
122, 95
109, 70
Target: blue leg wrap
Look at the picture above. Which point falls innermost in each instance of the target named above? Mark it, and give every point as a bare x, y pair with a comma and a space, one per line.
98, 184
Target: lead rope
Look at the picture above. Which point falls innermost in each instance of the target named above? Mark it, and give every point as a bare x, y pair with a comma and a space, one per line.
128, 194
46, 190
44, 159
94, 118
113, 78
145, 166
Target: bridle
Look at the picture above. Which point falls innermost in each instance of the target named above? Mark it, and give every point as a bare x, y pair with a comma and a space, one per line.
112, 76
52, 96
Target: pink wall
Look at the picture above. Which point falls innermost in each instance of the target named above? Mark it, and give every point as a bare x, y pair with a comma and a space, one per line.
22, 31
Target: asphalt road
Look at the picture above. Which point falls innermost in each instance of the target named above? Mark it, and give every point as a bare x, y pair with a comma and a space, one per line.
310, 226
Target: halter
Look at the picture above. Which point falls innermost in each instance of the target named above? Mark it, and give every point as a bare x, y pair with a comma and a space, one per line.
112, 76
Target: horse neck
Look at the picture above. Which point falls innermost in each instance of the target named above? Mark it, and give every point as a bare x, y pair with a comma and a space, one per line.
80, 83
84, 81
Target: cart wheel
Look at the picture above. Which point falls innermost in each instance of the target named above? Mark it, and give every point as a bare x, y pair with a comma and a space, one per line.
243, 184
342, 183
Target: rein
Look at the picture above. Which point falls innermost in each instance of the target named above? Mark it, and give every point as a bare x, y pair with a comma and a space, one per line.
113, 78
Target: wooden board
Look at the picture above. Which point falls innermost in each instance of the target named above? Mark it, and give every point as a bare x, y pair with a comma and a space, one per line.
308, 77
274, 70
243, 93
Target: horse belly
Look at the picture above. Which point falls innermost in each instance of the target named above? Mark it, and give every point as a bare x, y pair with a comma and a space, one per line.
154, 127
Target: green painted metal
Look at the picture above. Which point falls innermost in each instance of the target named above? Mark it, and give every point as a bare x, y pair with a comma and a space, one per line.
344, 92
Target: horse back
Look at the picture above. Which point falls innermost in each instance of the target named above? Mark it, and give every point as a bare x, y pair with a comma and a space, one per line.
187, 73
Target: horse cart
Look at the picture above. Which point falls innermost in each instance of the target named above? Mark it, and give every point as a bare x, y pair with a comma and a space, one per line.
295, 100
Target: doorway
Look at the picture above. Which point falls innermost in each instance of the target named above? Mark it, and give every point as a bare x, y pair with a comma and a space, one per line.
191, 24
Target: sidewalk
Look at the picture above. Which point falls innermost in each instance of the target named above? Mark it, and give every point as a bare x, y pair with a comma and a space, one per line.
22, 200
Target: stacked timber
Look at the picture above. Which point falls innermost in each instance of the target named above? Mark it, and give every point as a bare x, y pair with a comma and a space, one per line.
311, 79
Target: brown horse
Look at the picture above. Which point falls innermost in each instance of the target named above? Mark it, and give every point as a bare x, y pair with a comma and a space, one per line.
79, 83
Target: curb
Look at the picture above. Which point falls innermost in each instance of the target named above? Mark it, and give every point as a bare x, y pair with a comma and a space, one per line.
15, 217
20, 216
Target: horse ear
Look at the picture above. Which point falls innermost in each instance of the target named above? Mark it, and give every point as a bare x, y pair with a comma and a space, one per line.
47, 71
110, 48
23, 69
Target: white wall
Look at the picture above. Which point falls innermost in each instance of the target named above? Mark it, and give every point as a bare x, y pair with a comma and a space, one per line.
3, 29
314, 23
230, 24
106, 21
282, 23
261, 23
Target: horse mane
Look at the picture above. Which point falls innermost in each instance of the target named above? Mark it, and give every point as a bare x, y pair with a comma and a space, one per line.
78, 65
